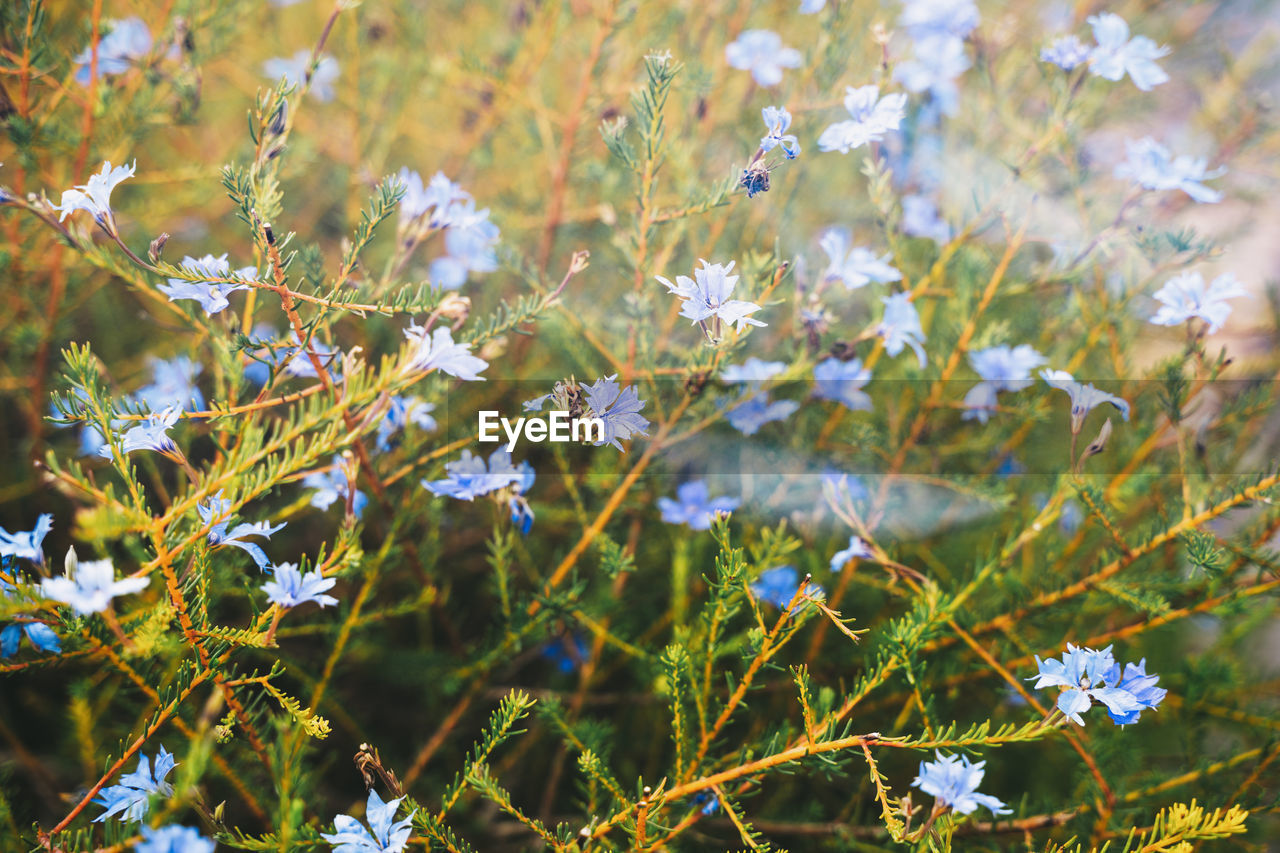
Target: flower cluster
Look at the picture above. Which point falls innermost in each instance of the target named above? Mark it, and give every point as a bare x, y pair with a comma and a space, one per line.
1090, 676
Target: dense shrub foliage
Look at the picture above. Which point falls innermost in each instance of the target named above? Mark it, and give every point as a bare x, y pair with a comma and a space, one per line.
932, 354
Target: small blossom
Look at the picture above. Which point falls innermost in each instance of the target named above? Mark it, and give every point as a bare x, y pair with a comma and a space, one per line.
1084, 673
1186, 297
1083, 397
1140, 685
920, 219
777, 121
1066, 52
842, 381
1002, 368
762, 53
94, 196
753, 371
938, 62
778, 586
332, 484
1151, 166
432, 201
469, 242
173, 839
854, 266
212, 295
401, 412
129, 799
757, 410
618, 407
26, 545
521, 512
567, 653
857, 549
439, 352
694, 506
173, 383
153, 434
41, 636
900, 326
1117, 55
90, 586
871, 117
350, 836
706, 296
923, 19
953, 781
289, 587
469, 477
127, 41
219, 536
294, 70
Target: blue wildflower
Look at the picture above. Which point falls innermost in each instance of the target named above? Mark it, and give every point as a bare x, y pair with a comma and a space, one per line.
618, 407
694, 506
1140, 685
1066, 52
857, 549
350, 836
870, 118
567, 653
753, 371
842, 381
126, 42
294, 71
920, 219
94, 196
521, 512
706, 297
938, 62
173, 839
1117, 55
1151, 166
777, 121
757, 410
129, 800
1185, 297
1084, 673
854, 266
924, 19
216, 507
26, 545
89, 586
1002, 368
469, 477
900, 326
173, 383
1083, 397
778, 586
212, 295
42, 637
152, 434
332, 484
469, 242
289, 587
439, 352
402, 411
762, 53
432, 202
953, 781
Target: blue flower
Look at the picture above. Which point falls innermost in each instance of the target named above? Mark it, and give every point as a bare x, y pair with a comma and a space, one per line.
439, 352
953, 781
289, 587
567, 653
778, 586
706, 296
403, 411
1185, 297
217, 507
294, 70
1066, 52
842, 381
521, 512
173, 839
89, 586
762, 53
432, 202
1002, 368
129, 799
1142, 687
854, 267
1084, 672
26, 545
153, 434
1117, 55
812, 7
900, 326
920, 219
939, 60
94, 196
753, 371
871, 117
331, 484
776, 121
469, 477
1083, 397
212, 295
618, 407
350, 836
694, 506
923, 19
469, 242
857, 549
127, 41
41, 636
1151, 166
173, 383
757, 410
